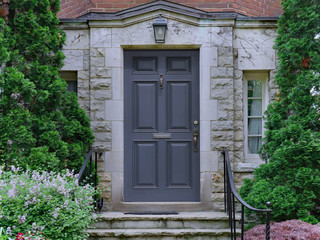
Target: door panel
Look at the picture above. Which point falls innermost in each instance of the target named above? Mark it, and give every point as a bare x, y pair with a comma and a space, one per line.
178, 65
145, 105
179, 106
179, 162
161, 103
145, 65
145, 157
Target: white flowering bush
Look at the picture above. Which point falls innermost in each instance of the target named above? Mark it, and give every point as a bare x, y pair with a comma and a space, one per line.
51, 205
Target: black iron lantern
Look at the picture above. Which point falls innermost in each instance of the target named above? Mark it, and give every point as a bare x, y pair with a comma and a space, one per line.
159, 28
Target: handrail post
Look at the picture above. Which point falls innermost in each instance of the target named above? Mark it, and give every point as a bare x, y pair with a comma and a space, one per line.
242, 221
96, 169
90, 170
96, 176
268, 204
225, 181
234, 217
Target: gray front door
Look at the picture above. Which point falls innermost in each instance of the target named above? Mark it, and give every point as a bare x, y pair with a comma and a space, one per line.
161, 126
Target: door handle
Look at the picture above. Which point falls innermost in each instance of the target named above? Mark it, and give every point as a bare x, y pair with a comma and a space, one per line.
195, 139
161, 81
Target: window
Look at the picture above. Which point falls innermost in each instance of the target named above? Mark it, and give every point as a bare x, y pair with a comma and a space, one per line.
255, 103
71, 79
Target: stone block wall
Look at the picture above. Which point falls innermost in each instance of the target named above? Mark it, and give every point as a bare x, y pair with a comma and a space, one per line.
251, 51
94, 87
222, 128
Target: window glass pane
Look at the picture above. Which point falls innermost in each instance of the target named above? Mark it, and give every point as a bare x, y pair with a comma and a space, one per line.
71, 78
254, 144
254, 107
254, 126
72, 86
254, 88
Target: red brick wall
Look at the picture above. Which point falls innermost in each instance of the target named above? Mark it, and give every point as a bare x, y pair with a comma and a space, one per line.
76, 8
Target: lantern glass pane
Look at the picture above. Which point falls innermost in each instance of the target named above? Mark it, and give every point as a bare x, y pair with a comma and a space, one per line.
159, 33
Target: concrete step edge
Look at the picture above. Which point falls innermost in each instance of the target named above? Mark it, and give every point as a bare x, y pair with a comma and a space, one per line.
180, 217
156, 232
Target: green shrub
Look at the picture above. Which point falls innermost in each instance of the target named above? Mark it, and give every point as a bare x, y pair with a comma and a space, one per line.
50, 203
3, 235
42, 125
291, 148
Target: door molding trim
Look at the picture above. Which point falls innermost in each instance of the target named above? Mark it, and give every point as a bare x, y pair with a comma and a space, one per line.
160, 162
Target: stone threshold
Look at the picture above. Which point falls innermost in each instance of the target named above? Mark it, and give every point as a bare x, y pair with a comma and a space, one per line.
205, 215
162, 206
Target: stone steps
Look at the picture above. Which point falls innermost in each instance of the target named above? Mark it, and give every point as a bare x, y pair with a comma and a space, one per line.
163, 234
191, 225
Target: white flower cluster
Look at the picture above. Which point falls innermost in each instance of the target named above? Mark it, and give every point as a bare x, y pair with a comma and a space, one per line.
314, 91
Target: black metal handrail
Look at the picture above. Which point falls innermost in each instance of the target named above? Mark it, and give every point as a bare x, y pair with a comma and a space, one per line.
230, 194
89, 174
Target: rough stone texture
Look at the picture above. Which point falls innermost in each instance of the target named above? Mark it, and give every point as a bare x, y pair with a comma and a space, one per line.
74, 60
222, 72
100, 84
100, 37
257, 59
97, 52
102, 146
254, 38
222, 134
77, 39
86, 60
100, 72
133, 34
255, 48
104, 126
222, 36
105, 188
187, 34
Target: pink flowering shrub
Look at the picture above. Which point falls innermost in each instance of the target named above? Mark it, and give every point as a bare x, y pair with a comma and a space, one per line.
22, 236
50, 203
29, 236
287, 230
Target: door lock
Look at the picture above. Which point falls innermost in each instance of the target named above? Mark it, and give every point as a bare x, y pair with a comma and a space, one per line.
195, 122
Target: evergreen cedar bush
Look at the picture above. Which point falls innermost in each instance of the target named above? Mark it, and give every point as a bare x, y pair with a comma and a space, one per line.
41, 123
291, 178
287, 230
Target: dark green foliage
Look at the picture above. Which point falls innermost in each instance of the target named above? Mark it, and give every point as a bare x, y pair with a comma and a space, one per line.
41, 123
291, 178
